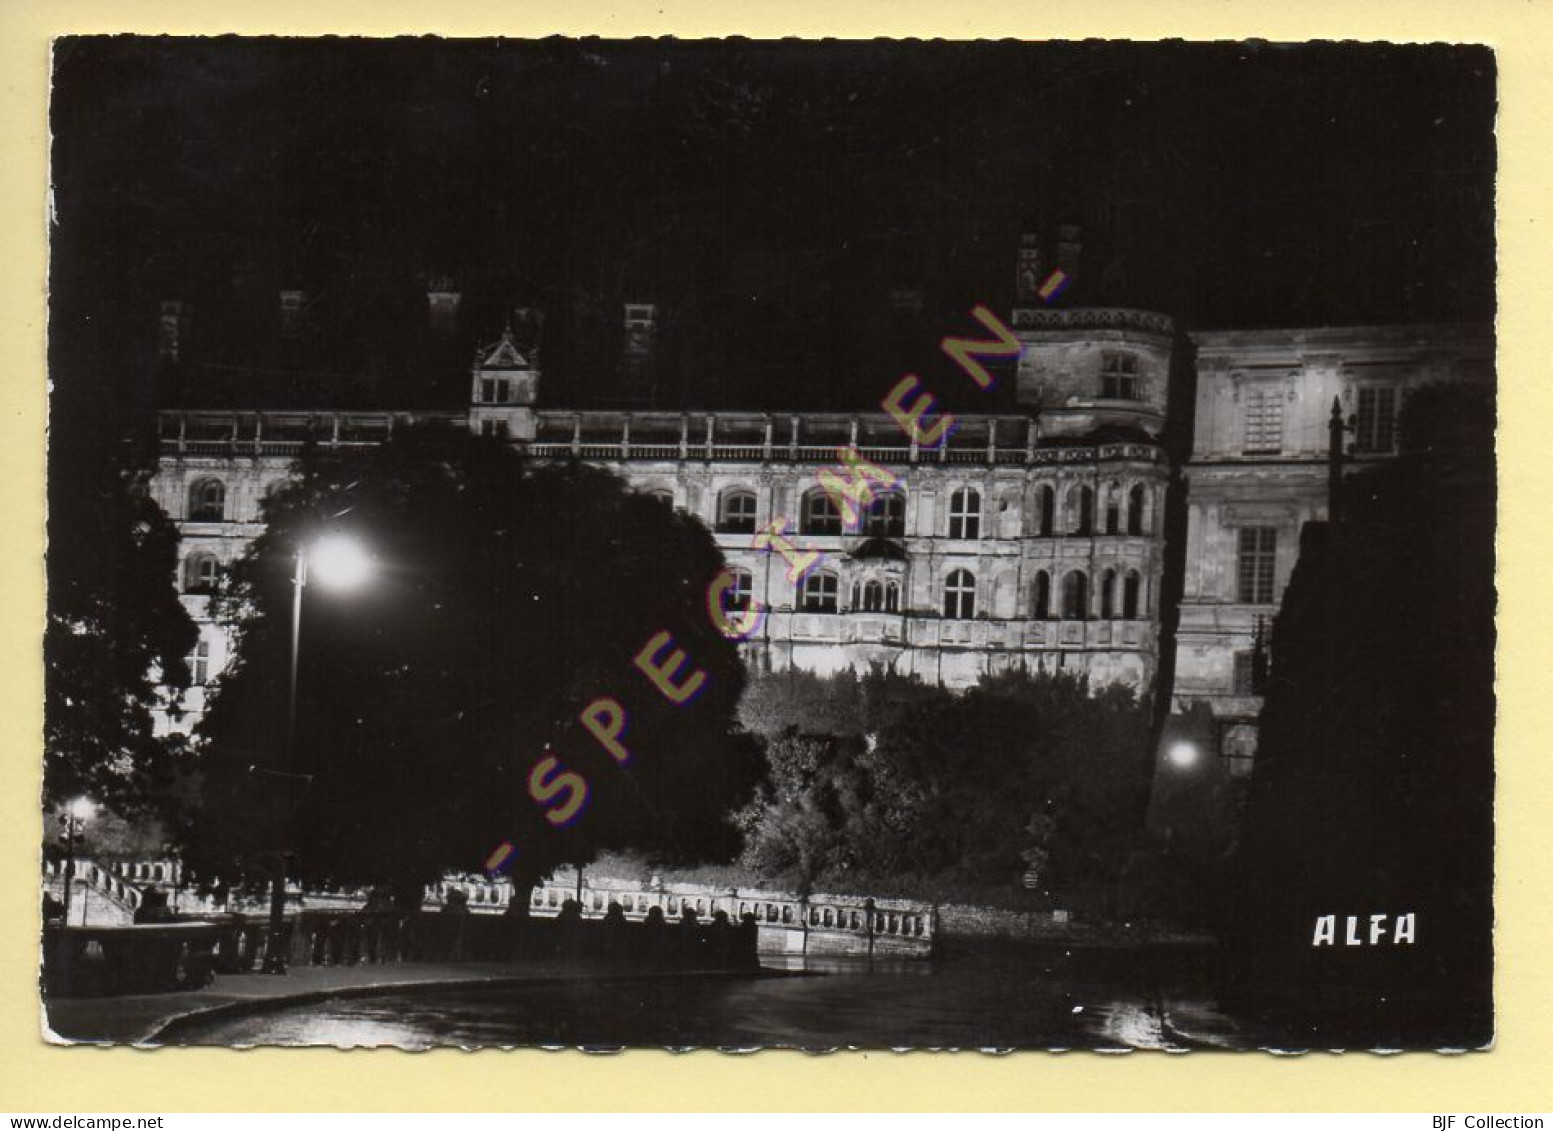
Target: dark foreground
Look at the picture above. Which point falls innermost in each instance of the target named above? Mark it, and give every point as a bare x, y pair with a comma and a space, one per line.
1002, 1001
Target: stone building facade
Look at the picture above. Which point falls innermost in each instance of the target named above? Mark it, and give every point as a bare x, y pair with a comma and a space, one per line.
1258, 473
1030, 539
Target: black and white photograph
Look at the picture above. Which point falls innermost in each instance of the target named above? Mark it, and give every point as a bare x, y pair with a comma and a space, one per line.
770, 543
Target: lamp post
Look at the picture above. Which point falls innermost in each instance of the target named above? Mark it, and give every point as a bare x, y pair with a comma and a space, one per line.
77, 813
338, 563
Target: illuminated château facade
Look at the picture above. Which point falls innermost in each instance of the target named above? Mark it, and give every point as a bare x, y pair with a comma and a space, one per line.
1032, 539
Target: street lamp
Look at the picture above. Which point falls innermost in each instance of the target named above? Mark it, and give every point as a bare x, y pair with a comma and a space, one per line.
77, 813
339, 564
1183, 755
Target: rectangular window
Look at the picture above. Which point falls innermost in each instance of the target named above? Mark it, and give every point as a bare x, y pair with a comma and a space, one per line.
1258, 555
965, 514
819, 593
1377, 419
1264, 421
1119, 377
1243, 674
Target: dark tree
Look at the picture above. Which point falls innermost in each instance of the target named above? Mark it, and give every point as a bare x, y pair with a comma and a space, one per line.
889, 779
1373, 791
115, 628
507, 598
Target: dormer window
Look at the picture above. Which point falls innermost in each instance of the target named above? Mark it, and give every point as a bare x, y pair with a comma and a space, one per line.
1118, 376
494, 390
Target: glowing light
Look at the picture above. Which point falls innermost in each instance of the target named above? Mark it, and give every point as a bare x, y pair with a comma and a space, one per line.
339, 563
82, 809
1183, 755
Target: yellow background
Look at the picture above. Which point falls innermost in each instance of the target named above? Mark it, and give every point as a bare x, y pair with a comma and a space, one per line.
1513, 1076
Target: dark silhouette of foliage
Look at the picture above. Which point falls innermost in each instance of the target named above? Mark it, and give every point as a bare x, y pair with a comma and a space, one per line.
1373, 792
919, 781
508, 596
114, 627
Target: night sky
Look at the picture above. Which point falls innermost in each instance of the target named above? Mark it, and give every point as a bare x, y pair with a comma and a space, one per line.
773, 199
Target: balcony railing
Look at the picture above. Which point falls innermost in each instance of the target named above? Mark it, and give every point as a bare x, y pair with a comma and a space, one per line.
609, 438
815, 454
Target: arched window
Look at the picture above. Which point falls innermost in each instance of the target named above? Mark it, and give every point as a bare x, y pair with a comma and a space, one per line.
892, 598
960, 596
1043, 595
819, 593
1108, 595
1113, 509
207, 501
965, 514
738, 513
1075, 596
201, 571
1132, 596
820, 515
887, 516
1047, 500
1083, 500
1135, 499
873, 597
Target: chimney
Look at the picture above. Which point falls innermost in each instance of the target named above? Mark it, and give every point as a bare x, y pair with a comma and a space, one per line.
641, 324
172, 335
293, 312
641, 330
1027, 281
1069, 249
442, 302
